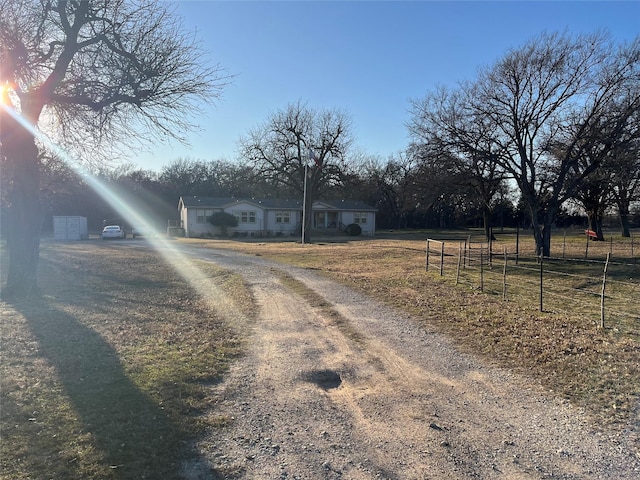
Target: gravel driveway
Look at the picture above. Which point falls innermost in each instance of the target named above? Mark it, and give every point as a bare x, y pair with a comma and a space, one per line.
309, 402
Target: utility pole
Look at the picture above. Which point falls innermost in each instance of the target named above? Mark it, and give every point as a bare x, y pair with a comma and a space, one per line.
304, 203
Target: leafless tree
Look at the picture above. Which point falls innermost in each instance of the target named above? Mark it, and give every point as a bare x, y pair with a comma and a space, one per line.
446, 131
606, 162
551, 101
625, 182
395, 183
89, 74
298, 141
594, 196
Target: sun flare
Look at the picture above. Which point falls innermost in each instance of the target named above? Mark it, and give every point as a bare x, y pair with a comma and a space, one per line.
133, 213
5, 94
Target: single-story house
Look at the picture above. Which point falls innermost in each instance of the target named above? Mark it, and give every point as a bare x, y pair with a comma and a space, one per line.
272, 217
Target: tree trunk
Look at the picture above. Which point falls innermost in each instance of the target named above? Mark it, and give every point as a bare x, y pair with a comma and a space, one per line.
546, 239
624, 222
538, 236
542, 231
548, 220
595, 218
623, 212
25, 212
486, 220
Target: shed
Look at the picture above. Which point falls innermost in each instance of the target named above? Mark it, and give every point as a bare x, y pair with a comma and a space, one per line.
69, 228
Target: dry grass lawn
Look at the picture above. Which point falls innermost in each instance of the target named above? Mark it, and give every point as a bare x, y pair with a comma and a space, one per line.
562, 352
104, 377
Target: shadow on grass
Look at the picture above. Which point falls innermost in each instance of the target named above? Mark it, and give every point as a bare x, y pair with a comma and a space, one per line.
135, 436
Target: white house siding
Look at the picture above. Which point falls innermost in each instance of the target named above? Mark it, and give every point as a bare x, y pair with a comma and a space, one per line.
275, 228
368, 228
259, 217
191, 225
247, 211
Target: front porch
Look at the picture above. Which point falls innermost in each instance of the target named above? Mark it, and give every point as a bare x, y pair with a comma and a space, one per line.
326, 221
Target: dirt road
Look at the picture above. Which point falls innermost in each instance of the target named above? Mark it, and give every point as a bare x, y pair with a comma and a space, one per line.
351, 389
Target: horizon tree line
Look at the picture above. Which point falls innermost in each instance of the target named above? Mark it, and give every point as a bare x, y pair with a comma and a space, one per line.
554, 121
550, 129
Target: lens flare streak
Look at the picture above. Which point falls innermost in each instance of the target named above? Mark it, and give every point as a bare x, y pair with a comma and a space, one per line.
180, 262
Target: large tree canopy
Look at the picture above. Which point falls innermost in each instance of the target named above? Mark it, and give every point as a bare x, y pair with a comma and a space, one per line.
299, 137
89, 74
553, 101
626, 181
545, 115
444, 133
103, 69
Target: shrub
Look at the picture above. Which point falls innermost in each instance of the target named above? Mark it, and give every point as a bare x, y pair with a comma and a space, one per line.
223, 220
353, 230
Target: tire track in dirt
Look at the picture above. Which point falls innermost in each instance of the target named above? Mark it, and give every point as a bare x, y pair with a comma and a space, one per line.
409, 406
283, 425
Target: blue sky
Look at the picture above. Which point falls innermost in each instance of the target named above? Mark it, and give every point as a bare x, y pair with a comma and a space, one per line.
366, 58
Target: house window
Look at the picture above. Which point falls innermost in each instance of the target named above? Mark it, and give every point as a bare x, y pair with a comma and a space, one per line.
283, 217
246, 217
203, 214
360, 218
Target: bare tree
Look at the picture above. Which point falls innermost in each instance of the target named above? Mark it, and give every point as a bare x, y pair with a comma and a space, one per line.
625, 182
218, 178
186, 176
446, 131
89, 74
594, 196
607, 154
298, 141
551, 101
395, 183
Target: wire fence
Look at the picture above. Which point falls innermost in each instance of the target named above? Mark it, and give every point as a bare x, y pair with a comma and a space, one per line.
570, 244
605, 291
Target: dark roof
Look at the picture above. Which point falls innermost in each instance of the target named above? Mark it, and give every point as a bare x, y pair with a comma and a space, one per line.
269, 203
223, 202
347, 205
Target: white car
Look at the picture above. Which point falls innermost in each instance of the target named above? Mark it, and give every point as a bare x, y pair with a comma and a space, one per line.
113, 231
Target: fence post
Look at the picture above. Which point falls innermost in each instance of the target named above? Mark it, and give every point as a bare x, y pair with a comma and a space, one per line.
482, 269
490, 245
586, 249
441, 258
459, 260
604, 284
564, 243
504, 276
426, 262
541, 278
610, 243
517, 242
467, 252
